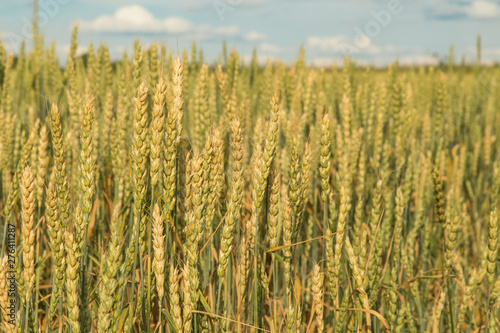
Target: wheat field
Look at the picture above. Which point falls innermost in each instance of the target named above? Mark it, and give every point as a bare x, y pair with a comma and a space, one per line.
161, 194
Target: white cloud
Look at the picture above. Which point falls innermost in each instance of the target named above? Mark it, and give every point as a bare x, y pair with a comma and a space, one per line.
477, 9
63, 50
341, 44
483, 9
328, 44
407, 60
255, 36
137, 19
444, 10
399, 48
270, 48
197, 5
417, 59
326, 61
227, 30
379, 61
328, 50
488, 55
491, 52
472, 49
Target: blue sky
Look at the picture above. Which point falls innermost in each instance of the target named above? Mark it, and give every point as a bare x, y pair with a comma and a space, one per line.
372, 31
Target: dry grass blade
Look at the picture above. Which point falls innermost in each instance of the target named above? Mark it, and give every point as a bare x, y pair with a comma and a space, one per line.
231, 320
277, 248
